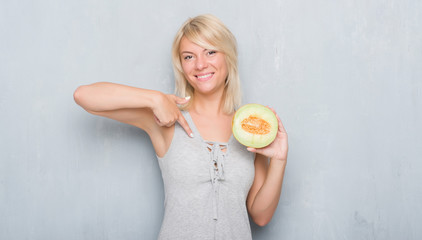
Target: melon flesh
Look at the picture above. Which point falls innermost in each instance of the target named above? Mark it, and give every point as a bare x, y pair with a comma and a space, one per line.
254, 125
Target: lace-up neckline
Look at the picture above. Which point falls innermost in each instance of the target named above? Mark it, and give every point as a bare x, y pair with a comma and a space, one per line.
218, 152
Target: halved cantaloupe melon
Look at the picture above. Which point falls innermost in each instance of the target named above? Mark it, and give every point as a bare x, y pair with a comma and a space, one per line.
254, 125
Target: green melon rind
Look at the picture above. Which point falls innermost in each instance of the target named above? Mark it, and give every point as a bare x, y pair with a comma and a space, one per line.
249, 139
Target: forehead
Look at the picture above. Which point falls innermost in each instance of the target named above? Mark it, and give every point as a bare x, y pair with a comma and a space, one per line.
189, 45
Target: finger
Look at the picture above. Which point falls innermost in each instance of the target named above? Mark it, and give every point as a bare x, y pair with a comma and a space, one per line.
157, 121
182, 101
272, 109
169, 124
256, 150
182, 121
280, 124
251, 149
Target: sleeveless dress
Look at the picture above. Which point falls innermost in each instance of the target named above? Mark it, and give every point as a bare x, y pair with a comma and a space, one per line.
206, 185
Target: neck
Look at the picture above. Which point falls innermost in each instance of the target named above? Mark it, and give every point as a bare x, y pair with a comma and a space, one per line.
208, 104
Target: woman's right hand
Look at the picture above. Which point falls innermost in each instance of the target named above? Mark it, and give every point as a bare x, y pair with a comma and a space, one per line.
166, 112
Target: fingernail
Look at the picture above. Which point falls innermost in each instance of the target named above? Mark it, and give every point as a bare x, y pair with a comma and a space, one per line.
187, 98
191, 135
249, 149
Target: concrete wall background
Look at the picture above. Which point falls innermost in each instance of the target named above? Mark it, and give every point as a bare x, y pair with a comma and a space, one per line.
345, 77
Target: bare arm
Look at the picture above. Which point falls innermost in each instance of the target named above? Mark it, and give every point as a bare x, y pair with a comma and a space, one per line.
264, 194
149, 110
106, 96
123, 103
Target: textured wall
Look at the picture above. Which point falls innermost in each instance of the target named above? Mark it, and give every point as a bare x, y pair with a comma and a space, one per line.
345, 76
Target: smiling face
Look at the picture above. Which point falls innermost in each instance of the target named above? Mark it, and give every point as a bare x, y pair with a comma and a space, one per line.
205, 69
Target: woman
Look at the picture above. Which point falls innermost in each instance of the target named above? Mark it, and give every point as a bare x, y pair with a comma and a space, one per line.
211, 182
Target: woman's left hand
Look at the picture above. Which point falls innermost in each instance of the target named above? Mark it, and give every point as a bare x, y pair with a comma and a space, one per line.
279, 147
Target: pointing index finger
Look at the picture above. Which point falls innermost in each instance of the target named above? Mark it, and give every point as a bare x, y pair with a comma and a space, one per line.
182, 121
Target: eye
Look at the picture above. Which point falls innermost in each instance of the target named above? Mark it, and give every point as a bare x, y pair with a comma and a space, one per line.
211, 52
188, 57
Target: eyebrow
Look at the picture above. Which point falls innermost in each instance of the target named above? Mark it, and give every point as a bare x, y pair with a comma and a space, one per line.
186, 52
193, 53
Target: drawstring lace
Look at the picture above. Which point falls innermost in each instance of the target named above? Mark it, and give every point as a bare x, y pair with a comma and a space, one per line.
217, 158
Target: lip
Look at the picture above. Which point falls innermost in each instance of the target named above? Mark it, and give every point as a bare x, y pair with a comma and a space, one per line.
204, 76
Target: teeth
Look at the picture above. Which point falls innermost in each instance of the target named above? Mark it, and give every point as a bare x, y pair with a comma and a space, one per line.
205, 76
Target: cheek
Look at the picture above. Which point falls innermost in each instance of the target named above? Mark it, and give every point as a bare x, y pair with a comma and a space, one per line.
222, 64
187, 73
224, 68
187, 69
184, 67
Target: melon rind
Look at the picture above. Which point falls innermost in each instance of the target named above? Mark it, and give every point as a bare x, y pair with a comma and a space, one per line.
249, 139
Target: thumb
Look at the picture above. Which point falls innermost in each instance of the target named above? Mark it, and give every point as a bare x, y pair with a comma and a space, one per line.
182, 101
251, 149
256, 150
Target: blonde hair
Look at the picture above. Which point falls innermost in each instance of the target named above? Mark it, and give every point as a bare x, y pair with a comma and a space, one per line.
208, 32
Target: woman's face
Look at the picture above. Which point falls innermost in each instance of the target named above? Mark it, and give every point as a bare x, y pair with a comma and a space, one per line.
205, 69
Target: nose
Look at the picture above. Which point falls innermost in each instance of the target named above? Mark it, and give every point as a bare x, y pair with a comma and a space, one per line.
201, 63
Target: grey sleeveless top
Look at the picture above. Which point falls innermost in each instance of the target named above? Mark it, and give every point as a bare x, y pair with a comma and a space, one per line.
206, 185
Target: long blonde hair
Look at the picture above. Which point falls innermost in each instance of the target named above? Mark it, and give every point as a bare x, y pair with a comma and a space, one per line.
208, 32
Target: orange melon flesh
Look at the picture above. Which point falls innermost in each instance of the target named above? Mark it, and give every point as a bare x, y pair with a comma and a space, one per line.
254, 125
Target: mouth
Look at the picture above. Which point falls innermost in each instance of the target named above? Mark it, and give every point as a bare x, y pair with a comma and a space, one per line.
204, 77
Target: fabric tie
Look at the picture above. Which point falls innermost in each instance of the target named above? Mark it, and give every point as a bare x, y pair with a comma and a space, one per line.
217, 158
